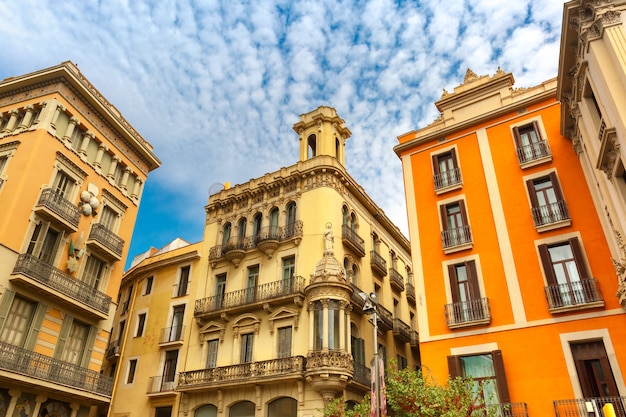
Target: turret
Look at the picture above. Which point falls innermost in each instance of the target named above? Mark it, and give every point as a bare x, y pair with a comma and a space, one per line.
322, 132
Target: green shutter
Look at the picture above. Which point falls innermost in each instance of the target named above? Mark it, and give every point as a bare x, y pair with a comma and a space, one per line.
65, 331
33, 332
5, 305
91, 339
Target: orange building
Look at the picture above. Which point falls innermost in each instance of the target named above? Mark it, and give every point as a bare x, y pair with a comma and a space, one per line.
514, 277
72, 171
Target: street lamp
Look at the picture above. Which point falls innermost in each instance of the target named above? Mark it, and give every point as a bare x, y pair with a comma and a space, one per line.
370, 308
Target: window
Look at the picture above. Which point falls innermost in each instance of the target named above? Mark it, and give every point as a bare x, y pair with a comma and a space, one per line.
283, 407
132, 368
357, 346
467, 304
211, 360
487, 371
19, 318
402, 362
594, 370
246, 348
273, 223
126, 303
548, 205
529, 144
176, 330
242, 409
3, 163
141, 324
75, 343
289, 269
208, 410
226, 234
291, 219
312, 146
241, 230
220, 287
568, 282
183, 281
148, 287
63, 185
163, 411
446, 170
253, 278
256, 226
44, 242
284, 342
318, 325
108, 218
94, 271
169, 370
456, 230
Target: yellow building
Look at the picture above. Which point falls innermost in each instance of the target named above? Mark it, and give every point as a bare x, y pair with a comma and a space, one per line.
592, 88
72, 171
277, 316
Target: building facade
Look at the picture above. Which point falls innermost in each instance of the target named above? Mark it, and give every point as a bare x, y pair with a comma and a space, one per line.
277, 316
72, 171
592, 89
509, 253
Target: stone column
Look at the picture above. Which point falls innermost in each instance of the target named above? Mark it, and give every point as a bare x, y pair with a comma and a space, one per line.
38, 402
114, 161
15, 395
127, 172
101, 150
325, 325
87, 137
67, 137
28, 117
75, 407
55, 116
136, 187
13, 115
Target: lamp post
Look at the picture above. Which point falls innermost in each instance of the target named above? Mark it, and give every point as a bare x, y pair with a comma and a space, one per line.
370, 307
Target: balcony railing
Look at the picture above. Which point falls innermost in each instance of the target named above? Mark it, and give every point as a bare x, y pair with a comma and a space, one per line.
113, 349
58, 280
385, 318
60, 206
401, 330
362, 374
584, 407
109, 240
509, 409
353, 240
574, 294
161, 384
468, 312
447, 178
550, 213
397, 280
45, 368
172, 334
356, 299
264, 292
269, 370
456, 237
410, 293
533, 152
379, 264
415, 338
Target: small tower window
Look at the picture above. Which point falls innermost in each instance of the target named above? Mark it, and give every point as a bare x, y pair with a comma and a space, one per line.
312, 146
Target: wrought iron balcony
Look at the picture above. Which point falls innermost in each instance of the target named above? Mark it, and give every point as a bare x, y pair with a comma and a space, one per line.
170, 335
246, 373
113, 350
34, 272
415, 338
574, 295
379, 264
45, 368
401, 330
456, 237
362, 374
396, 280
468, 313
105, 241
250, 297
447, 179
533, 152
385, 318
550, 214
352, 240
584, 407
357, 301
410, 293
57, 208
510, 409
162, 384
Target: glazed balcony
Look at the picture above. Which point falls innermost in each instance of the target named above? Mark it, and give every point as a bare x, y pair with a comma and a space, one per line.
352, 240
31, 365
396, 280
277, 292
468, 313
534, 152
105, 242
385, 319
263, 372
592, 406
410, 293
379, 264
34, 273
162, 385
401, 331
58, 209
575, 295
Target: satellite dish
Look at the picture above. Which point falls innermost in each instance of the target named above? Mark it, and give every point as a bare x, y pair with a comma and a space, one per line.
215, 188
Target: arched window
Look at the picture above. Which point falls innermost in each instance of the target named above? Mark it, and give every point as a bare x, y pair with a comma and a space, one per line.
206, 411
226, 233
344, 212
337, 148
242, 409
241, 232
282, 407
274, 223
256, 226
346, 267
312, 146
291, 213
353, 221
355, 275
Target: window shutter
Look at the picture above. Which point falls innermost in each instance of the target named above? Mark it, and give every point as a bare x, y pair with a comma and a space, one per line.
33, 332
65, 331
518, 141
436, 164
91, 339
472, 277
43, 231
536, 127
546, 262
503, 387
444, 217
463, 212
556, 186
454, 285
454, 160
578, 257
5, 305
532, 194
454, 366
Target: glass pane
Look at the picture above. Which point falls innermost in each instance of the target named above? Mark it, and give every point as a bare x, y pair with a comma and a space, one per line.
17, 321
242, 409
282, 407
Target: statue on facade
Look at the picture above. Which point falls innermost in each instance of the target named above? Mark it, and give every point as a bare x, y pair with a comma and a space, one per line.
328, 240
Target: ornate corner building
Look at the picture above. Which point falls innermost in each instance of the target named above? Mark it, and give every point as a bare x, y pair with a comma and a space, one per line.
72, 171
271, 321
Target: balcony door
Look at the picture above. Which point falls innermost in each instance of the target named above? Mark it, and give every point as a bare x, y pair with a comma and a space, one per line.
253, 277
594, 370
44, 242
177, 323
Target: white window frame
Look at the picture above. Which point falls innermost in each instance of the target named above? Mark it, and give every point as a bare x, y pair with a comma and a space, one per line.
145, 324
6, 151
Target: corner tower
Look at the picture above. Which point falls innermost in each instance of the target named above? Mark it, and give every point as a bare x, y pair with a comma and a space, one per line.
322, 132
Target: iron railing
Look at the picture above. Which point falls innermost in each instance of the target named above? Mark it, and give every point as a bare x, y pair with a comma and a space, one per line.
353, 239
456, 236
396, 279
264, 369
509, 409
550, 213
58, 280
584, 407
466, 312
45, 368
410, 292
356, 298
362, 374
402, 330
447, 178
378, 262
60, 206
573, 293
113, 349
415, 338
386, 318
172, 334
181, 289
264, 292
99, 233
533, 151
161, 383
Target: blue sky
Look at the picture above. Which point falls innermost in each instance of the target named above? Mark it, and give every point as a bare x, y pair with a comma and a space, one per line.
216, 86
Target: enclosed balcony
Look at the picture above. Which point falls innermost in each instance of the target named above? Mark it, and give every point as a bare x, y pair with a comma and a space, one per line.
262, 372
378, 263
26, 365
352, 240
58, 209
32, 272
272, 293
468, 313
410, 293
105, 242
396, 280
574, 295
401, 331
385, 319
